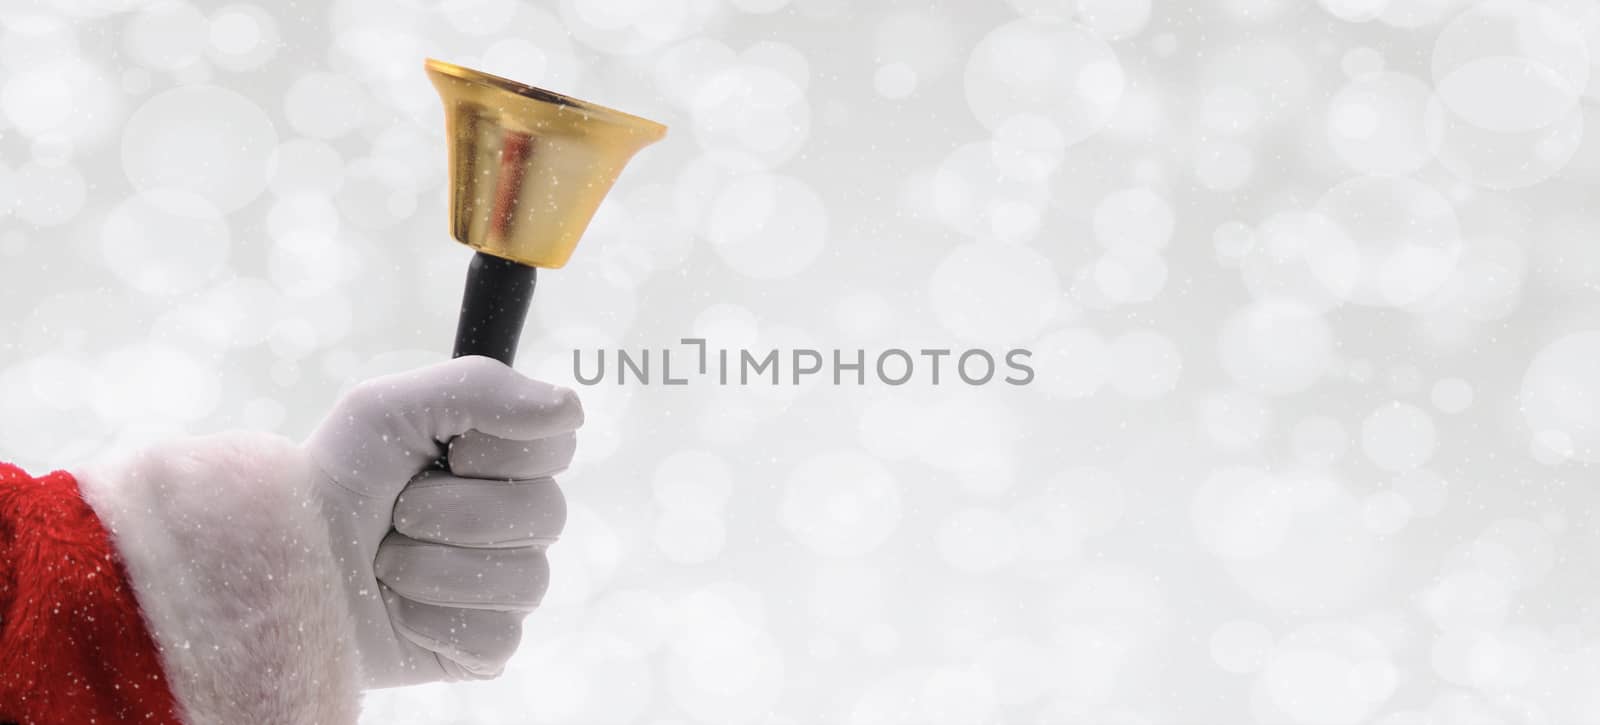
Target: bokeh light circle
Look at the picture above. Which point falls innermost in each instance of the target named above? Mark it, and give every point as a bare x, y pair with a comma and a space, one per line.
167, 35
1398, 436
1398, 240
1047, 68
768, 226
987, 293
325, 105
1136, 219
753, 110
1241, 513
163, 242
243, 37
48, 195
1376, 124
1275, 266
1503, 160
1276, 347
205, 140
1560, 395
841, 503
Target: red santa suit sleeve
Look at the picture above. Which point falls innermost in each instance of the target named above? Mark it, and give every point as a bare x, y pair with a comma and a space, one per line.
192, 583
74, 647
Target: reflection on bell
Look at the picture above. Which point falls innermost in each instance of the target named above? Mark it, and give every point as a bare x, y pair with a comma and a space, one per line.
528, 168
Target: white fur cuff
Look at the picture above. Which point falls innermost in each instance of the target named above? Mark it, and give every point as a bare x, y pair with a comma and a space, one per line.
229, 558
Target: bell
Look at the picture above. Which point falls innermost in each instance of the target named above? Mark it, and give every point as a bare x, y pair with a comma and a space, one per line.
528, 169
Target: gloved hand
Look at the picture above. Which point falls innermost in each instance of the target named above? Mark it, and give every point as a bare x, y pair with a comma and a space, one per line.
441, 566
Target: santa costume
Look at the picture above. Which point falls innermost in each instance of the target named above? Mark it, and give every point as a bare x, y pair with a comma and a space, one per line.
244, 578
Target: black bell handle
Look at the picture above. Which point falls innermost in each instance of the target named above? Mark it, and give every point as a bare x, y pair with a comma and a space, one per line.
494, 307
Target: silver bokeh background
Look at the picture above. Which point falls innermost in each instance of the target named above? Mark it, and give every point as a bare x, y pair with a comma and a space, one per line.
1312, 288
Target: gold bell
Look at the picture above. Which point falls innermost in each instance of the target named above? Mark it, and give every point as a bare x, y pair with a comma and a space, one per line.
528, 169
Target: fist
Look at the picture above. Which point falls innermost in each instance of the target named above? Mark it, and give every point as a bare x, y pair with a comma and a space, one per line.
441, 563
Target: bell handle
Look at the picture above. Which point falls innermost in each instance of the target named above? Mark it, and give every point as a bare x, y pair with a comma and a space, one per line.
494, 306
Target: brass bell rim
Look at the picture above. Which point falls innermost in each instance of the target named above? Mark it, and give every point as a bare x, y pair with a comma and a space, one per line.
643, 126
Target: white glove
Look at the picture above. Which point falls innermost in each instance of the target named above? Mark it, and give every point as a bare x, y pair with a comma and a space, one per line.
440, 567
